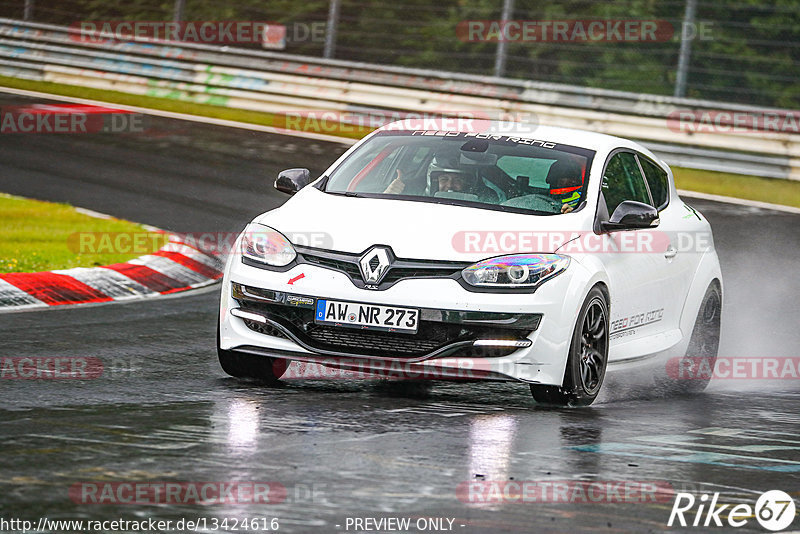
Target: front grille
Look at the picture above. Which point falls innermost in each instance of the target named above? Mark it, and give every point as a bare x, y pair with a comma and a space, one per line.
399, 270
370, 342
431, 335
400, 273
351, 269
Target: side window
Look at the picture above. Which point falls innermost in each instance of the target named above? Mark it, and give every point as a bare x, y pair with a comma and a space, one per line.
622, 180
658, 182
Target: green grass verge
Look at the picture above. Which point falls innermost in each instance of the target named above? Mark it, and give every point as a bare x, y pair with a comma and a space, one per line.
42, 236
178, 103
785, 192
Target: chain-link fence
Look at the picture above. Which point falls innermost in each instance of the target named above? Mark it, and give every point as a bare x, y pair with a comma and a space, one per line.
744, 51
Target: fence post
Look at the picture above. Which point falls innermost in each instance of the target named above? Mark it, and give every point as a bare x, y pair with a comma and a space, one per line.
502, 44
177, 13
330, 33
686, 48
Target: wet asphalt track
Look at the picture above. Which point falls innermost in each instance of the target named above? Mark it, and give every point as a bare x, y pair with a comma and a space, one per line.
164, 411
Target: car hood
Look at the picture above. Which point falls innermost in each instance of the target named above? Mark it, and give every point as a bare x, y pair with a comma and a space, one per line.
417, 230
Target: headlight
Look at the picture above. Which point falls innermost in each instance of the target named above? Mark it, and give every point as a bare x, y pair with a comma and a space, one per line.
517, 271
265, 245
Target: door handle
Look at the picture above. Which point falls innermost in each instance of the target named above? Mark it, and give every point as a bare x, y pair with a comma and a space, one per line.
671, 252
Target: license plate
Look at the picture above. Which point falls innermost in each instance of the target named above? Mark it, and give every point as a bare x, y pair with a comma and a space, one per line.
367, 316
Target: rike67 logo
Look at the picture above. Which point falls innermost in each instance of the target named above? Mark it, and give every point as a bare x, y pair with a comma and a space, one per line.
774, 510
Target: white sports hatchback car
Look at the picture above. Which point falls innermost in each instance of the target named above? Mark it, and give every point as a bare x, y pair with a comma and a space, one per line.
546, 256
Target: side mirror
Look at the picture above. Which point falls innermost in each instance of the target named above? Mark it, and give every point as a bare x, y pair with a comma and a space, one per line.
291, 181
630, 215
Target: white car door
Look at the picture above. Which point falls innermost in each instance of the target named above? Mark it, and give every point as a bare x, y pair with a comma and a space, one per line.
679, 243
639, 277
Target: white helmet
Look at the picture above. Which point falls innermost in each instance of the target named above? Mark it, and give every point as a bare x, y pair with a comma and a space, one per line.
450, 163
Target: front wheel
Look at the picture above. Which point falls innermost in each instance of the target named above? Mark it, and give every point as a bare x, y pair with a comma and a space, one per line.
588, 357
261, 368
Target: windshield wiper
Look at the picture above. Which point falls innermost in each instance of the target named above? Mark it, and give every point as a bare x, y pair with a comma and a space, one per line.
344, 193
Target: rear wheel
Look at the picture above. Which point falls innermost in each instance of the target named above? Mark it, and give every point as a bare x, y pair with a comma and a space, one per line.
261, 368
694, 370
588, 357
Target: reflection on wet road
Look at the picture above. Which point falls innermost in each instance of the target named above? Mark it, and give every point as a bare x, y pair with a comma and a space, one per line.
348, 449
162, 411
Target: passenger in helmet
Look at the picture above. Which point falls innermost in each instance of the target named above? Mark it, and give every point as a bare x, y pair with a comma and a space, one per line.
565, 179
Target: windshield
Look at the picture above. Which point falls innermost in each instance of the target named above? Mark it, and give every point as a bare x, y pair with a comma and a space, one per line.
489, 171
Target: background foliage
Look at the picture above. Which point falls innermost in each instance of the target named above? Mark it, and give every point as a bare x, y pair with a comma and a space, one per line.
752, 56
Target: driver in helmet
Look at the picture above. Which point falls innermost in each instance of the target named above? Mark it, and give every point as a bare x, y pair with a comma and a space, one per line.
448, 174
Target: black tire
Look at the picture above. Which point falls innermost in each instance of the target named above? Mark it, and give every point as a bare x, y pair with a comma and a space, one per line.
263, 369
411, 389
701, 354
588, 357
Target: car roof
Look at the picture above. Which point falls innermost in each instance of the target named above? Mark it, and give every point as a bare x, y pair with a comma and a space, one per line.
599, 142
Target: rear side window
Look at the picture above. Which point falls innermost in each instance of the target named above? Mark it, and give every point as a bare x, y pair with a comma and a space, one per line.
657, 181
622, 180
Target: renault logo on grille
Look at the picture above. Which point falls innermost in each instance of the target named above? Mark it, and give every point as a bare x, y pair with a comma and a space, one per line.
374, 264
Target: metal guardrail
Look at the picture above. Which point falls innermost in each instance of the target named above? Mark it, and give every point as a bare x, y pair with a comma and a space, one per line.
279, 83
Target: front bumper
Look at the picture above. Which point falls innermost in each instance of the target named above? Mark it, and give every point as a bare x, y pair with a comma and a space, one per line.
452, 319
441, 332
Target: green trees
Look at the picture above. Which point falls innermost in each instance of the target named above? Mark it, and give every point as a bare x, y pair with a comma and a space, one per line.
748, 51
